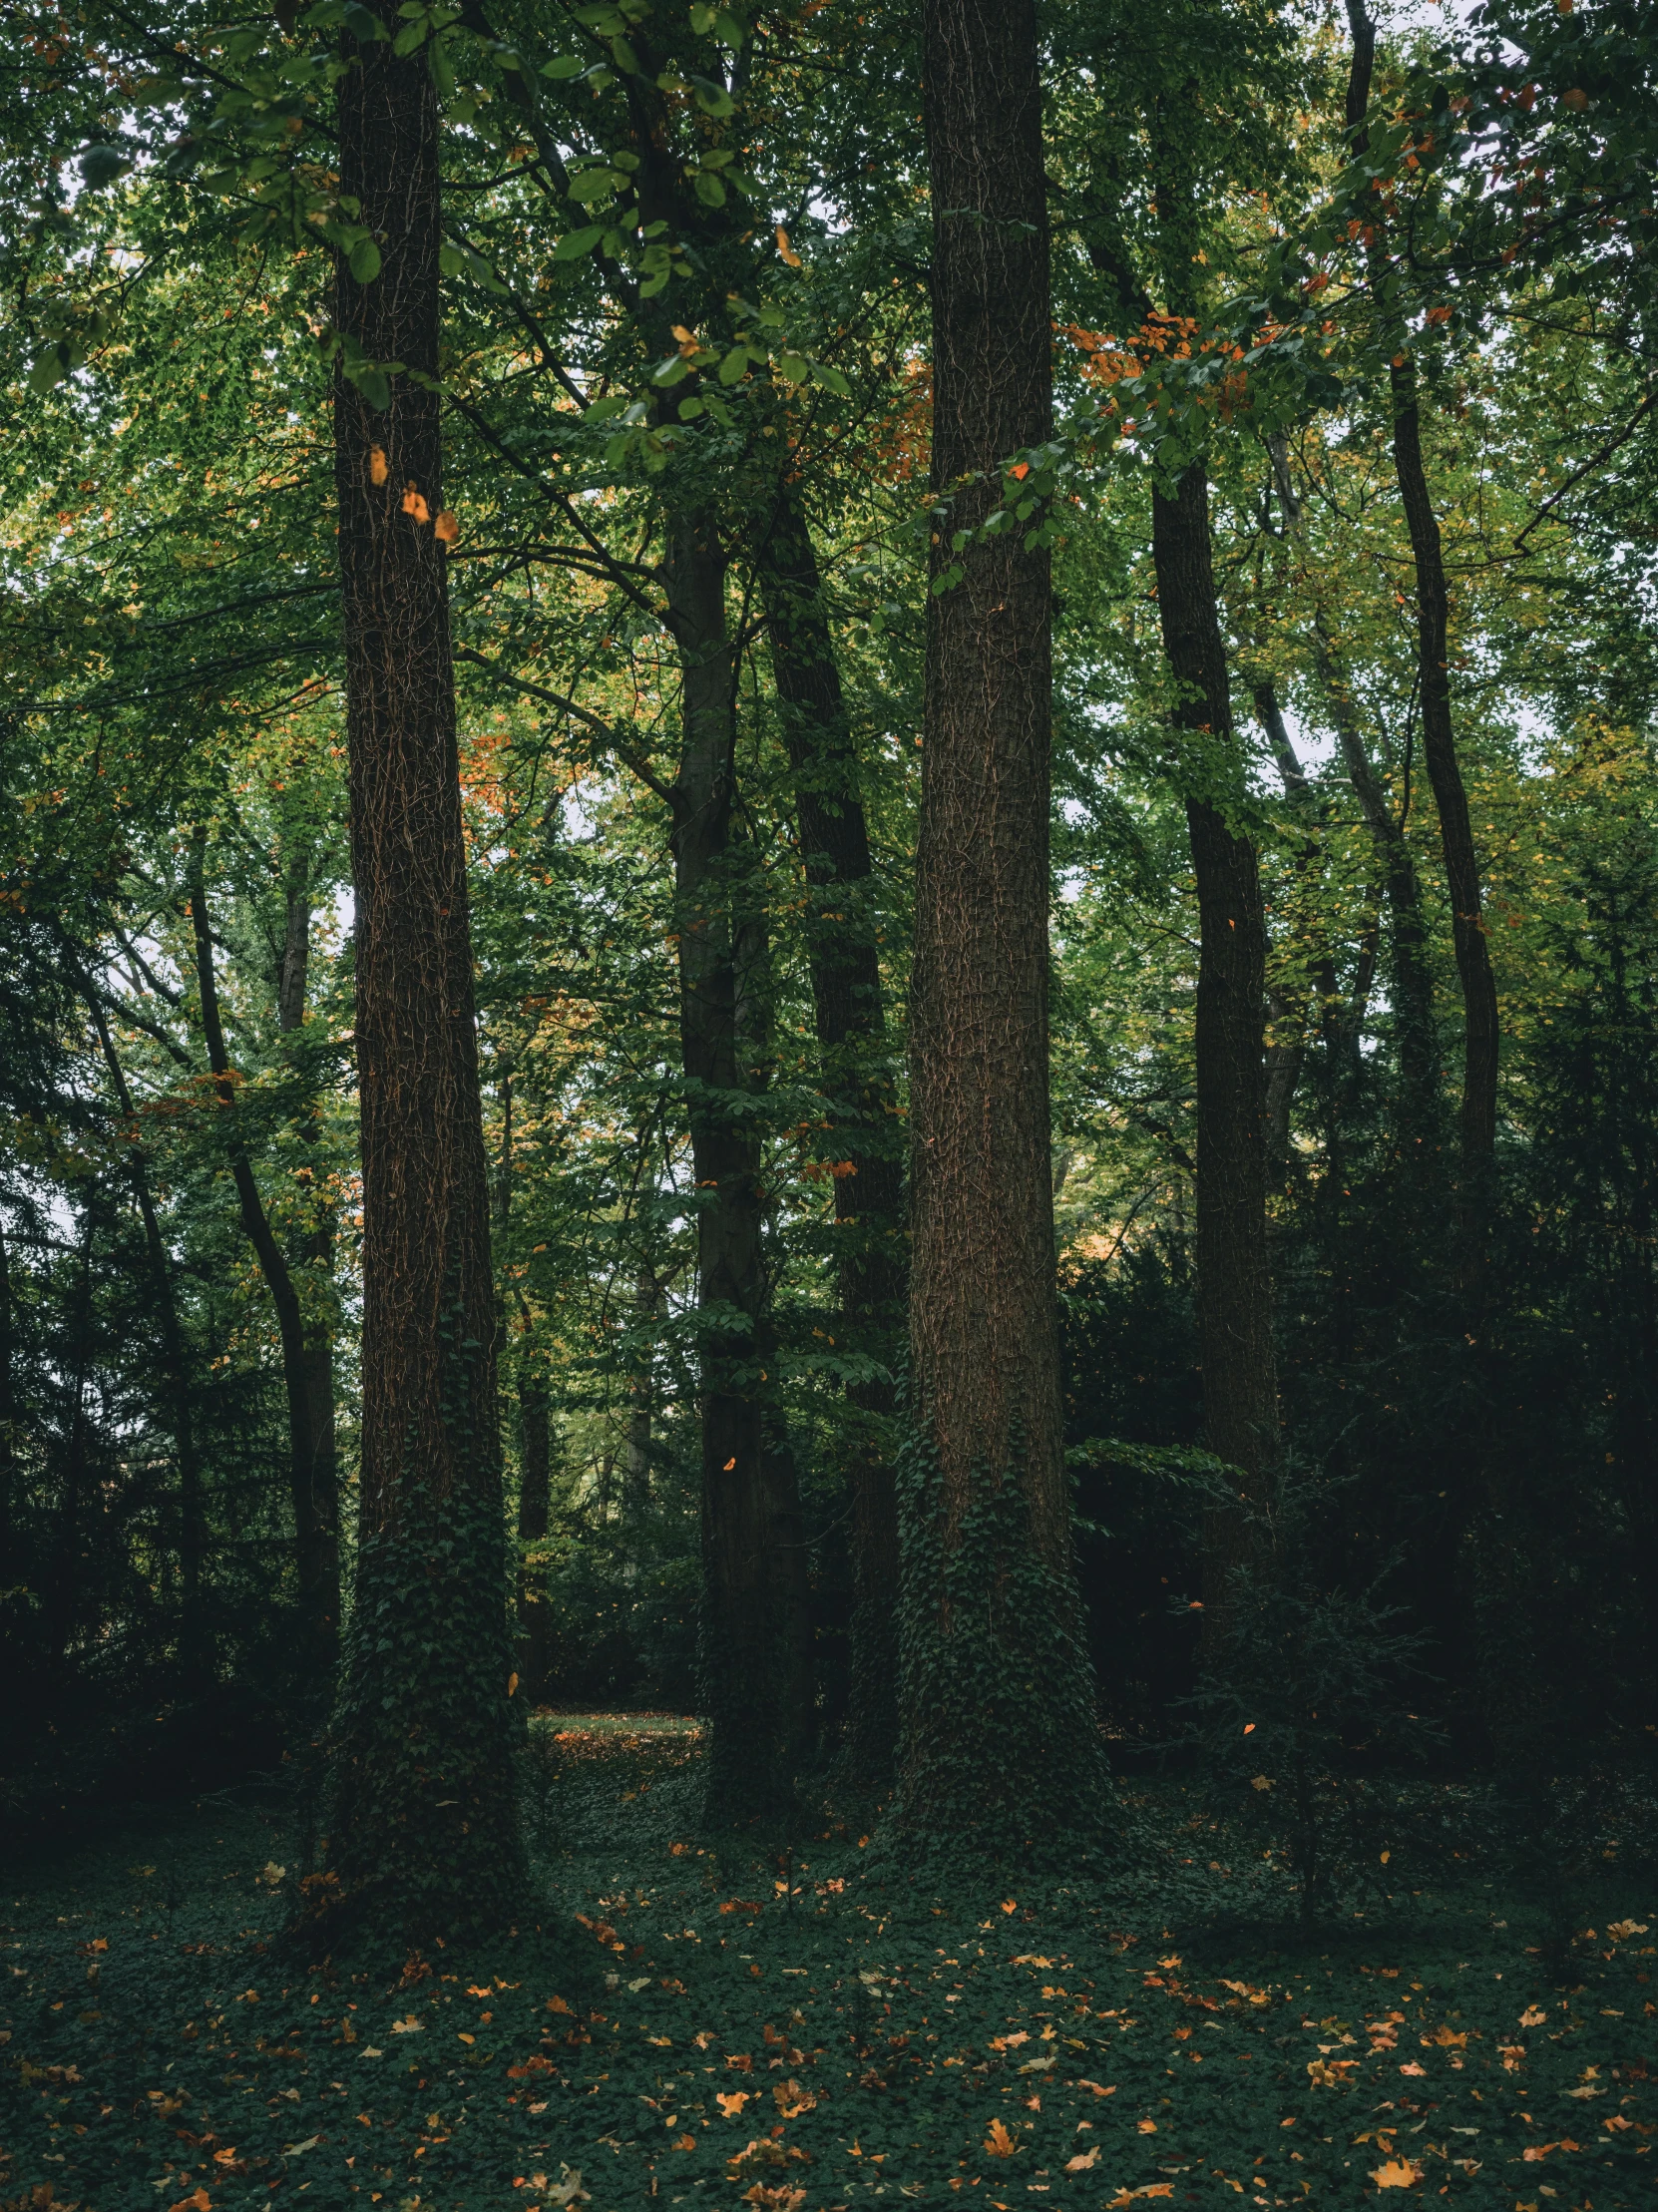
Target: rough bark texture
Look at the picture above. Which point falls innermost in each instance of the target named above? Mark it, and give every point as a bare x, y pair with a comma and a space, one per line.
755, 1627
424, 1819
311, 1474
845, 966
1234, 1277
988, 1473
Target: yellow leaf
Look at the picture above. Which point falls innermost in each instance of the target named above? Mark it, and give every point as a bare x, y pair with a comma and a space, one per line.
225, 2157
1147, 2127
377, 465
683, 334
1100, 2089
785, 250
414, 504
731, 2102
1621, 1930
1534, 2017
1085, 2162
1398, 2173
999, 2142
446, 530
465, 2037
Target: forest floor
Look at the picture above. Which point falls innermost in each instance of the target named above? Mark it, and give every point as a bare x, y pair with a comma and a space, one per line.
813, 2031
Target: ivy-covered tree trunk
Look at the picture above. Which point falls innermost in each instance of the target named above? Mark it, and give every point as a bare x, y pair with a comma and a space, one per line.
534, 1481
754, 1626
845, 962
424, 1826
1234, 1275
998, 1735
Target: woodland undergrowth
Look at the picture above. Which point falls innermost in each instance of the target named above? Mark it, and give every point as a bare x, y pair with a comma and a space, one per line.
809, 2028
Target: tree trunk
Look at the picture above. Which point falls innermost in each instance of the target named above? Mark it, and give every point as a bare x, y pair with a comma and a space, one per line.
753, 1567
195, 1640
1234, 1277
316, 1554
1480, 1028
1461, 865
844, 959
424, 1828
636, 1488
998, 1734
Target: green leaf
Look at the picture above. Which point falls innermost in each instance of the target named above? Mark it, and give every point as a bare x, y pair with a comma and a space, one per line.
674, 370
372, 382
411, 36
563, 65
624, 56
712, 98
654, 285
793, 368
50, 369
709, 191
452, 261
364, 26
689, 409
719, 411
364, 261
594, 185
735, 365
575, 244
831, 379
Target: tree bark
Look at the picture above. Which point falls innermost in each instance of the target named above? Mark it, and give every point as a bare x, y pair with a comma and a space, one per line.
1234, 1276
754, 1619
845, 964
424, 1825
989, 1594
311, 1484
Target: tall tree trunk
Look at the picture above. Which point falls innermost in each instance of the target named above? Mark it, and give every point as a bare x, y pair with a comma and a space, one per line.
845, 965
195, 1643
63, 1608
316, 1552
1234, 1276
1481, 1039
424, 1827
996, 1720
635, 1489
754, 1617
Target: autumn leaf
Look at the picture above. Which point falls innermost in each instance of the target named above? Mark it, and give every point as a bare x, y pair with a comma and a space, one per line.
1398, 2173
557, 2005
199, 2201
1621, 1930
1083, 2162
999, 2142
225, 2157
414, 503
409, 2026
731, 2102
792, 2100
785, 250
1534, 2017
377, 471
1147, 2127
1413, 2067
684, 2143
1099, 2089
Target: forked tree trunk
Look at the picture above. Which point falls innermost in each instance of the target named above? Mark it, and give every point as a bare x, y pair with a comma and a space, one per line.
754, 1626
424, 1824
845, 965
1234, 1275
998, 1730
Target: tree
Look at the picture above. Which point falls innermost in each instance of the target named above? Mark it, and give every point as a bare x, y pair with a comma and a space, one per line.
424, 1825
989, 1597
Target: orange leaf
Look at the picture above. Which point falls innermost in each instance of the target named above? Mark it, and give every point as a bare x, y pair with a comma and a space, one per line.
414, 504
1020, 469
1398, 2173
447, 529
1083, 2162
684, 2143
785, 250
731, 2102
199, 2202
1100, 2089
377, 471
1147, 2127
999, 2142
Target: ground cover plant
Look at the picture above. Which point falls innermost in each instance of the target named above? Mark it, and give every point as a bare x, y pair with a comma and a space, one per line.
695, 2025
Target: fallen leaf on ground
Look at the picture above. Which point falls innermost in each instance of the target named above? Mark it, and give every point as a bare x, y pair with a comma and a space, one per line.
999, 2142
731, 2102
1398, 2173
1083, 2162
